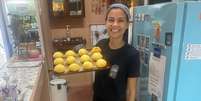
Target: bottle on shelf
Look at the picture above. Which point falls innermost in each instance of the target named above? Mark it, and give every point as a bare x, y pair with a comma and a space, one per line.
68, 33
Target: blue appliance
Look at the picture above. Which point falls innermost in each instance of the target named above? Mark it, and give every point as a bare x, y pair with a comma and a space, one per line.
171, 30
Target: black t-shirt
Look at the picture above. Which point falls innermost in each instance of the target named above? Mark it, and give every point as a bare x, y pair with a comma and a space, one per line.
109, 87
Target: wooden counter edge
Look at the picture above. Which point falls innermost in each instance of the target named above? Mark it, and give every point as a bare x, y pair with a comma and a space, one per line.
41, 86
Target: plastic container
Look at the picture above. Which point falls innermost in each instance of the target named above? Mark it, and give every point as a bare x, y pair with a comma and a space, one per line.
58, 90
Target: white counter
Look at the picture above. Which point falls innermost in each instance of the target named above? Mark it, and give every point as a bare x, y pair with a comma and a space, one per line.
24, 76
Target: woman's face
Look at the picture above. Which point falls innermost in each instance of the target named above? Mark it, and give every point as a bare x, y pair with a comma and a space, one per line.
116, 23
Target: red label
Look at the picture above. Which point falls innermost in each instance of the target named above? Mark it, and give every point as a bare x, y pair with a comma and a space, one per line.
200, 16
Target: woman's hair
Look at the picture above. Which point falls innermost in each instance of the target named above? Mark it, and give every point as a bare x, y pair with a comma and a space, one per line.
121, 6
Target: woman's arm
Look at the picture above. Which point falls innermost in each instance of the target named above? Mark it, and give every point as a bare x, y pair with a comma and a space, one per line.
131, 89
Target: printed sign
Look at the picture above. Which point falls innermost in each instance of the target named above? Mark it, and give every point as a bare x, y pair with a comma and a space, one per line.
156, 76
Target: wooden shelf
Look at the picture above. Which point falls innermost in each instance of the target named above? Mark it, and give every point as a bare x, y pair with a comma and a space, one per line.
61, 13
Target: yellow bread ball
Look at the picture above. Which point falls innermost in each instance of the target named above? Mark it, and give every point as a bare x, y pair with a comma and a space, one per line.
82, 51
87, 65
58, 61
70, 53
84, 58
96, 49
101, 63
70, 59
74, 67
58, 54
59, 68
96, 56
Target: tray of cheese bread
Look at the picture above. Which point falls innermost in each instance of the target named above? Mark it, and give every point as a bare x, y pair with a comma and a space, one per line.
77, 62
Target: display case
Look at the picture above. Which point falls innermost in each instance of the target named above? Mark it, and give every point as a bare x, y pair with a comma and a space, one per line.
66, 8
21, 30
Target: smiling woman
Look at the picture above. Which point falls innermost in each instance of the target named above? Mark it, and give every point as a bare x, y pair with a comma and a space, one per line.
118, 82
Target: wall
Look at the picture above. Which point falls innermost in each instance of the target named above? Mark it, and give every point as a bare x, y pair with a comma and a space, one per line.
82, 31
49, 33
42, 8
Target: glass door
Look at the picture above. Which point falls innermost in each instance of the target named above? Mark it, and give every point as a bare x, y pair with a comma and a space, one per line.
2, 51
3, 54
22, 28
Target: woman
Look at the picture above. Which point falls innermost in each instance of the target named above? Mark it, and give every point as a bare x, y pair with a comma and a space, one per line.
118, 83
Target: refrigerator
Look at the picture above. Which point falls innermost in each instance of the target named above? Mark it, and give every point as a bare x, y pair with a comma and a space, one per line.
168, 38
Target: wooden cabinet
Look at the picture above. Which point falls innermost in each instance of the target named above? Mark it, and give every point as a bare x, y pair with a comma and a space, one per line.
76, 8
66, 12
63, 8
64, 44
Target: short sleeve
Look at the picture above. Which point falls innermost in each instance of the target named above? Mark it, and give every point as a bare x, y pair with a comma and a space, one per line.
133, 69
101, 43
98, 43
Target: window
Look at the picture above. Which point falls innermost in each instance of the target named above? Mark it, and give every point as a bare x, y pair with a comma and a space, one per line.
20, 29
